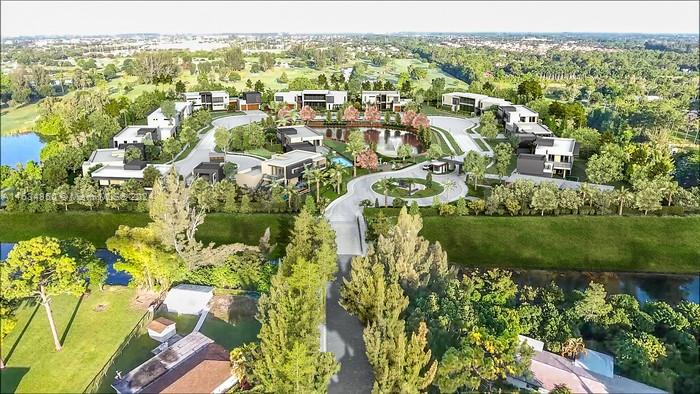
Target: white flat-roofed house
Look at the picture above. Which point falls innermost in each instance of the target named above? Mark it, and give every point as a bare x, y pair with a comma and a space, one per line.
471, 102
317, 99
289, 167
217, 100
591, 372
512, 114
534, 128
299, 137
103, 157
168, 127
135, 135
118, 174
385, 100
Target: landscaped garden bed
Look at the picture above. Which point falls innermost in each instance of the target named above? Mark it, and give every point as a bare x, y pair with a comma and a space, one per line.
408, 188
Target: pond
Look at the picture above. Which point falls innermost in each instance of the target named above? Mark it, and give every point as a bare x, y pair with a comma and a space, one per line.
114, 277
385, 141
643, 286
20, 148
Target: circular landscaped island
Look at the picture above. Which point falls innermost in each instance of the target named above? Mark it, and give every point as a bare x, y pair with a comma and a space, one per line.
408, 187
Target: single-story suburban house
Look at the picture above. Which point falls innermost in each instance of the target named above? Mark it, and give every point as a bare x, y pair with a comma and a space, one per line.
591, 372
194, 364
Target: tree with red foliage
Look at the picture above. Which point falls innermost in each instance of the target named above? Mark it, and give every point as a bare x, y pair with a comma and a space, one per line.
407, 119
351, 114
307, 113
367, 159
372, 114
420, 121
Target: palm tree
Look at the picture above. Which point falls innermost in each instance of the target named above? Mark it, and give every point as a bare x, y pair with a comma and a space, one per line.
449, 185
335, 175
289, 191
623, 197
315, 175
384, 185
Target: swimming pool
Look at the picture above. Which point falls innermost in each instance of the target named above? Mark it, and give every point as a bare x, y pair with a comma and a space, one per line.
342, 161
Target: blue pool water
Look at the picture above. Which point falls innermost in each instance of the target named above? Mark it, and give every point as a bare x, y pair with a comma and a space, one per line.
342, 161
114, 277
20, 149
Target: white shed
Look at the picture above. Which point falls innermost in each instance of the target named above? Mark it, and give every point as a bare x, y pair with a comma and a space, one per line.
188, 299
161, 329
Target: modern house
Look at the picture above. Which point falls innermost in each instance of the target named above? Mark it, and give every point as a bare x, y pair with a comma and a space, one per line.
116, 175
250, 101
512, 114
317, 99
135, 135
530, 128
591, 372
299, 137
211, 172
385, 100
550, 156
471, 102
168, 127
289, 167
214, 101
103, 157
193, 364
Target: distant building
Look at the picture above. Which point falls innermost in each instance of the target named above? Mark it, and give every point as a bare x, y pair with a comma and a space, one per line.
551, 156
193, 364
385, 100
214, 101
317, 99
299, 137
471, 102
591, 372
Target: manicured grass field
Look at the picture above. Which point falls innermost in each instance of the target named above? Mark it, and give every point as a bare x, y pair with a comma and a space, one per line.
96, 227
448, 135
18, 119
603, 243
91, 334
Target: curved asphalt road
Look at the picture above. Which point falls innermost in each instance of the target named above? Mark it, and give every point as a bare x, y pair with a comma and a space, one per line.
206, 144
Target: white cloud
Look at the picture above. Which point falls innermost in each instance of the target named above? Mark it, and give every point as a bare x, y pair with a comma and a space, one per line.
55, 18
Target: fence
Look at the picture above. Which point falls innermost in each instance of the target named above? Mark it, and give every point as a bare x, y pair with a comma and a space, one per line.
97, 380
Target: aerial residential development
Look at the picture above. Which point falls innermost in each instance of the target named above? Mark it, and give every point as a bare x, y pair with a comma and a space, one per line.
350, 197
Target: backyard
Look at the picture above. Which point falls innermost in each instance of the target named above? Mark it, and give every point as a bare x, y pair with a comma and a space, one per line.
598, 243
91, 327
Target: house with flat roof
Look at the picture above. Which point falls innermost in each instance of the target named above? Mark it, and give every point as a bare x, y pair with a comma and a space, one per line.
217, 100
590, 372
299, 137
168, 127
118, 174
289, 167
317, 99
533, 128
103, 157
250, 101
135, 135
209, 171
471, 102
193, 364
385, 100
512, 114
550, 156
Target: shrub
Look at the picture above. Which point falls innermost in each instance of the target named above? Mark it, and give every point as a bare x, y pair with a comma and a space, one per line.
447, 210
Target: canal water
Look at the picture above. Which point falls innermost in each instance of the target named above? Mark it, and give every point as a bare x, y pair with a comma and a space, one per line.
114, 277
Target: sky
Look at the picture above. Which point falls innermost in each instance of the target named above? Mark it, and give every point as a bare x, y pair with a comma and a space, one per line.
167, 17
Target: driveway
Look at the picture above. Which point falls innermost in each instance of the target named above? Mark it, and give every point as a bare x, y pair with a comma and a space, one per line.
206, 142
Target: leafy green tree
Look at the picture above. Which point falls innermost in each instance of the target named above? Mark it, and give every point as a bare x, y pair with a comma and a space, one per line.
544, 197
40, 268
604, 168
355, 145
404, 152
488, 125
475, 166
110, 72
647, 197
168, 108
530, 90
591, 306
132, 154
87, 193
503, 156
623, 198
222, 138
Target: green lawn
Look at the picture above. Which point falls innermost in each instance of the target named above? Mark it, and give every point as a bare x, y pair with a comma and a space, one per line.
437, 138
340, 147
18, 119
90, 338
448, 135
603, 243
96, 227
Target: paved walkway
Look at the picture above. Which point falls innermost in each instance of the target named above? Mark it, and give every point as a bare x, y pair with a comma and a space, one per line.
206, 143
457, 128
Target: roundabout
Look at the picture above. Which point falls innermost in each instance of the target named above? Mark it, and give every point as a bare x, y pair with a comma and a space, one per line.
407, 187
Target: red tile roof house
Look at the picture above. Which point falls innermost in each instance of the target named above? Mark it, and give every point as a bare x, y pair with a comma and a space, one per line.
194, 364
